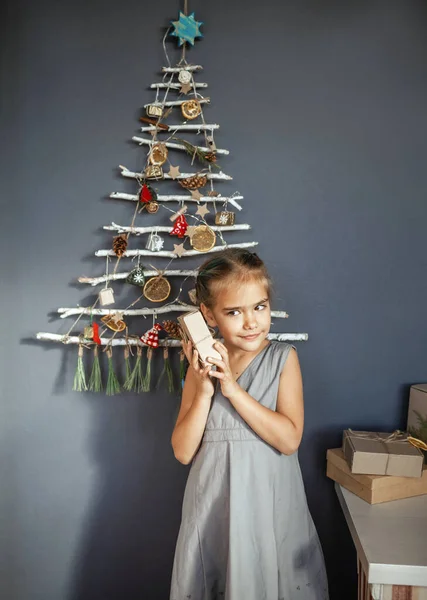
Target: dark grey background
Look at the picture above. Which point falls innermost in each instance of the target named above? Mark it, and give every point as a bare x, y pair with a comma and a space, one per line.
323, 105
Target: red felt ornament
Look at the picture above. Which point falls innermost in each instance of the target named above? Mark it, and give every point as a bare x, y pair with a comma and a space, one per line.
180, 226
96, 337
151, 337
145, 194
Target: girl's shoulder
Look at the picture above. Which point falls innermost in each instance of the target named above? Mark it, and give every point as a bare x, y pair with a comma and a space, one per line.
276, 355
280, 349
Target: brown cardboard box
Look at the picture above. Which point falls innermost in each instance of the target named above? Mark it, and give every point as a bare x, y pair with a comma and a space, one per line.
194, 328
377, 453
417, 412
373, 488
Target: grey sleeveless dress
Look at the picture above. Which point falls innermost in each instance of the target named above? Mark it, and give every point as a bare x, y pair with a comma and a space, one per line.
246, 531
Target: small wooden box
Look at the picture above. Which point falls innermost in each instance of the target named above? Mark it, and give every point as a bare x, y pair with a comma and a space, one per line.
194, 328
154, 110
373, 488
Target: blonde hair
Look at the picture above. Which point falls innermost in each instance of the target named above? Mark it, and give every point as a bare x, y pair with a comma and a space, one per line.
238, 263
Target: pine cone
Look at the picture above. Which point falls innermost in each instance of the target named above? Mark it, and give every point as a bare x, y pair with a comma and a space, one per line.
194, 182
120, 243
210, 157
213, 194
172, 328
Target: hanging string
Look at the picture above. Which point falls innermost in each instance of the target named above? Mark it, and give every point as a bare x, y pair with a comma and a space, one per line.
184, 44
164, 48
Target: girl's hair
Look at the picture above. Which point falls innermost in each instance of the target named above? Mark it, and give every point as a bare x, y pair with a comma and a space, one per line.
237, 264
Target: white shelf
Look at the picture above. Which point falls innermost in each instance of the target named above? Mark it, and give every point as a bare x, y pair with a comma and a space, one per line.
390, 538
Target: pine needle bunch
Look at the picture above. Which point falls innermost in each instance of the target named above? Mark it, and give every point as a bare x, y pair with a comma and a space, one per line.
113, 385
134, 380
167, 370
95, 380
146, 382
182, 368
79, 383
194, 151
421, 431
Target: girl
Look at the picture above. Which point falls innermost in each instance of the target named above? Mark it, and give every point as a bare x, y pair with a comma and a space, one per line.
246, 532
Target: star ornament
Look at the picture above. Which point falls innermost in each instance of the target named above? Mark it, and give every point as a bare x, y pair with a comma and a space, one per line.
196, 195
186, 88
203, 210
179, 249
186, 28
174, 172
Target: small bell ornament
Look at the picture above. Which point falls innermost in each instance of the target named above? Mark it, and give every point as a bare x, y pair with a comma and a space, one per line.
154, 242
136, 276
151, 337
179, 227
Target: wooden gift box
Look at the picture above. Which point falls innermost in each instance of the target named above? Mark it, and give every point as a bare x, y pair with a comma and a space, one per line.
373, 488
194, 328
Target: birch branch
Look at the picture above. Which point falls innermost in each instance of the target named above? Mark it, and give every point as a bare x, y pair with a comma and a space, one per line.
175, 86
167, 254
74, 339
177, 102
181, 198
184, 127
93, 281
178, 69
174, 146
140, 312
165, 229
131, 312
211, 176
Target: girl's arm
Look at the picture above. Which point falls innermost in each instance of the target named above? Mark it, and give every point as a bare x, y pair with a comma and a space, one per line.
193, 413
281, 428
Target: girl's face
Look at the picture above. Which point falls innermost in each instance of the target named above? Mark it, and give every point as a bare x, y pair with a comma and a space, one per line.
242, 314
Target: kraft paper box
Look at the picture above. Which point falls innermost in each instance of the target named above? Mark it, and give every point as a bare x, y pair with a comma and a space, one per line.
194, 328
373, 488
417, 412
375, 453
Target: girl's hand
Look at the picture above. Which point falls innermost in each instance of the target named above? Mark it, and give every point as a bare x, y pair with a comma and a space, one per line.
204, 385
229, 385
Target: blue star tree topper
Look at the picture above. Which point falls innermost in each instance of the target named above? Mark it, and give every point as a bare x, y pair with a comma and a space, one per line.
186, 28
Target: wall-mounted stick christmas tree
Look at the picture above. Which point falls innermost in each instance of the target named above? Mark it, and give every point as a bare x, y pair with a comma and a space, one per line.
192, 233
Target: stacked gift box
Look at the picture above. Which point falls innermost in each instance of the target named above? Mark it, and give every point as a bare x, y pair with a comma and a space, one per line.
379, 466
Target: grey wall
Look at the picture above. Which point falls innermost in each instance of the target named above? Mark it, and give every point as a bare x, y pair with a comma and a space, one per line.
323, 105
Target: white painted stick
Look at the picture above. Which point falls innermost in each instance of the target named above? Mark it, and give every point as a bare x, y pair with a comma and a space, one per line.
74, 339
147, 273
167, 254
184, 67
184, 127
138, 312
164, 229
181, 198
211, 176
174, 146
131, 312
177, 102
175, 86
